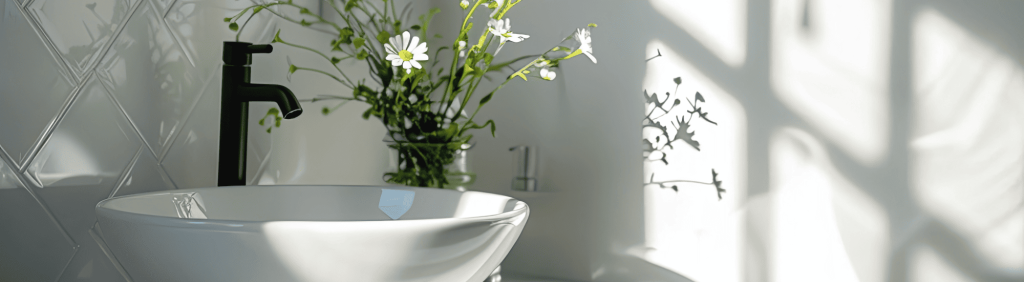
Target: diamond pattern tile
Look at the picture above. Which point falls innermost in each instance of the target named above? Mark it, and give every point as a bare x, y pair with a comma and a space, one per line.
41, 87
32, 246
146, 175
163, 5
156, 93
83, 159
80, 30
91, 264
199, 27
192, 159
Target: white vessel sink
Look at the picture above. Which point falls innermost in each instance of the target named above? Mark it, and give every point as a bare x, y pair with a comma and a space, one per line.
310, 233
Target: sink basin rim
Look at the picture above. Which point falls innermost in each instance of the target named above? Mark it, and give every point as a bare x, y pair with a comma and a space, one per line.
255, 225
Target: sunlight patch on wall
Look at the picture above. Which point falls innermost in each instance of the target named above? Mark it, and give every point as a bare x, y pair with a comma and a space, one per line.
825, 227
720, 25
966, 158
830, 65
927, 265
692, 232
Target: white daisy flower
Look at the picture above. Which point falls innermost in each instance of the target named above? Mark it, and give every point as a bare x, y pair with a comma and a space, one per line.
503, 30
462, 45
583, 37
405, 52
547, 74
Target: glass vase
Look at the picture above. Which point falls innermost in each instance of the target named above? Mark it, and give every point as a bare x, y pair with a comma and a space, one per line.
430, 165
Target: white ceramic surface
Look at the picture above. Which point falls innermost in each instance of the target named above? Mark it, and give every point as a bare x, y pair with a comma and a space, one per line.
309, 233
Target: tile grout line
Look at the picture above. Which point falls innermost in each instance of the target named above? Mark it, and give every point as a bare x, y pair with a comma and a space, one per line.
113, 38
106, 252
120, 108
65, 268
127, 172
188, 117
88, 73
52, 125
163, 173
46, 210
174, 36
167, 11
65, 69
262, 168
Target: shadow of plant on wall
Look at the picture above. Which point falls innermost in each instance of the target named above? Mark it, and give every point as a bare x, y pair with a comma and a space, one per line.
667, 126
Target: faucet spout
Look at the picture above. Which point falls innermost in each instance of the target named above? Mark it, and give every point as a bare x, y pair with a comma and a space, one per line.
285, 99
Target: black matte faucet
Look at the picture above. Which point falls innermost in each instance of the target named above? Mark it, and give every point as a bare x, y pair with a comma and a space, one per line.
236, 93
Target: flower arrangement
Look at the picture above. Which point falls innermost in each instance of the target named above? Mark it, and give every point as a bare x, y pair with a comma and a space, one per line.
422, 104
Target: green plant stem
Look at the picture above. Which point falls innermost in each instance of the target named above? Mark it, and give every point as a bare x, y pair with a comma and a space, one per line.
348, 82
455, 57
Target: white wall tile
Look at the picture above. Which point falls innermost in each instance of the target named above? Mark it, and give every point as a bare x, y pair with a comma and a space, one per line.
151, 78
32, 79
90, 264
83, 160
32, 246
145, 175
191, 161
80, 30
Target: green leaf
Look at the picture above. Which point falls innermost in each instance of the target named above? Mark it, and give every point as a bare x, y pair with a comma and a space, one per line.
699, 97
303, 22
486, 99
415, 27
488, 58
678, 80
499, 66
233, 26
257, 9
592, 25
305, 11
268, 129
345, 35
362, 55
383, 37
519, 74
335, 60
262, 120
351, 4
277, 37
366, 114
292, 68
358, 42
227, 20
325, 110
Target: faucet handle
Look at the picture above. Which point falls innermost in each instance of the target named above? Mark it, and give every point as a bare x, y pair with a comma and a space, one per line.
237, 53
260, 48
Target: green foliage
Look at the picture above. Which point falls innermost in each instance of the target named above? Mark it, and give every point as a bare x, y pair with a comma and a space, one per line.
423, 109
383, 37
